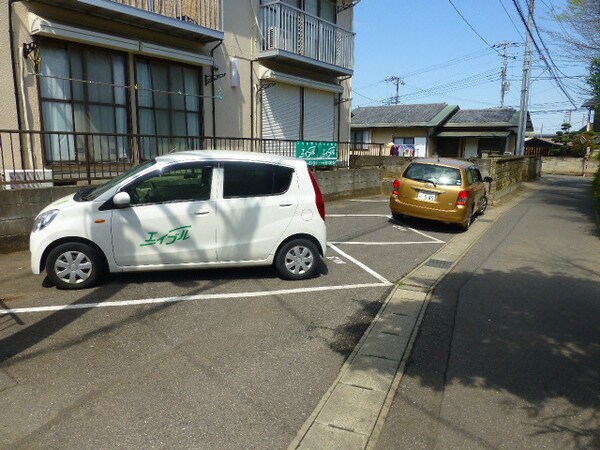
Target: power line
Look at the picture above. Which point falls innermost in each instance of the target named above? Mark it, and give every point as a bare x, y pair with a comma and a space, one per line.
397, 81
471, 26
511, 19
550, 69
451, 62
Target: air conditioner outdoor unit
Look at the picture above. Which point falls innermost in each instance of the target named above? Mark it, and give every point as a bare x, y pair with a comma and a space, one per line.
37, 178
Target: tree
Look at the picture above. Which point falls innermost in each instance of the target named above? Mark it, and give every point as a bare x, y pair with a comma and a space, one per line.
575, 144
582, 20
594, 80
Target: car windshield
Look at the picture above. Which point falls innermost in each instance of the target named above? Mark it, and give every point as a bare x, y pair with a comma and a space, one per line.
431, 173
93, 194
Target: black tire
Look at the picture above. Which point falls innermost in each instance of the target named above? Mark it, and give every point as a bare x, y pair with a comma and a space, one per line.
467, 223
298, 259
397, 216
483, 204
74, 265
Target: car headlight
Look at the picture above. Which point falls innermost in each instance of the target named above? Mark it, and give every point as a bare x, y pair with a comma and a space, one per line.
44, 219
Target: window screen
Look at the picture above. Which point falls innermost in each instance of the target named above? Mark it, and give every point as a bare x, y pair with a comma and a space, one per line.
255, 179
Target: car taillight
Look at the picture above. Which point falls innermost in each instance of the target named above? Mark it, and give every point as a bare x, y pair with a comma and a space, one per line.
320, 201
396, 190
463, 196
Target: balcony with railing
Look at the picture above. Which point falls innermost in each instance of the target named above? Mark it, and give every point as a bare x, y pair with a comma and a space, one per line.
292, 34
201, 20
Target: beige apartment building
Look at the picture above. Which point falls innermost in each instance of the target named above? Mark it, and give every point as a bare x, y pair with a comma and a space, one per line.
107, 81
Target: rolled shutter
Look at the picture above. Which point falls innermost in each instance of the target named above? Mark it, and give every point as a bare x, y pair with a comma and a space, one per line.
319, 115
281, 112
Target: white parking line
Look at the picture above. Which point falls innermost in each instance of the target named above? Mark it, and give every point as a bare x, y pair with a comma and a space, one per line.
386, 243
359, 215
359, 264
432, 240
147, 301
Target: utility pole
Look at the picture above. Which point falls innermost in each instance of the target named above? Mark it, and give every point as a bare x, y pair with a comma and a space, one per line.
505, 86
397, 81
525, 84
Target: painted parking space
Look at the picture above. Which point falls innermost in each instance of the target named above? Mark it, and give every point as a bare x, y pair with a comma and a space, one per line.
166, 342
361, 247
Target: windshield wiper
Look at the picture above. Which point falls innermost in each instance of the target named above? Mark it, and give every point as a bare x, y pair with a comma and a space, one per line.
424, 181
82, 195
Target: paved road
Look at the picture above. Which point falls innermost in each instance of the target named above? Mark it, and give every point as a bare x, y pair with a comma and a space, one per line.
508, 354
197, 359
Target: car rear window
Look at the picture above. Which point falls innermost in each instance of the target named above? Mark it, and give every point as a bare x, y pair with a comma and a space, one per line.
439, 175
255, 179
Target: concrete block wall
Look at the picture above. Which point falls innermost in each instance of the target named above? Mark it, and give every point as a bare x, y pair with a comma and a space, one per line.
18, 209
346, 182
561, 165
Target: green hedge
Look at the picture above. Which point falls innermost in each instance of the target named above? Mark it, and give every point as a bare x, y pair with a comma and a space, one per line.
597, 190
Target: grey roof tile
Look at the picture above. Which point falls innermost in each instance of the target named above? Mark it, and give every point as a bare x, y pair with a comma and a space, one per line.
483, 116
396, 114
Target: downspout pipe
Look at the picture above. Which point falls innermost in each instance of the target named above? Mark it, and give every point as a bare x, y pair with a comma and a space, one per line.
252, 102
214, 107
12, 60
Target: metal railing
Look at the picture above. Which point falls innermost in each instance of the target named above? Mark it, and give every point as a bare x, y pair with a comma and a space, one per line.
290, 29
205, 13
32, 159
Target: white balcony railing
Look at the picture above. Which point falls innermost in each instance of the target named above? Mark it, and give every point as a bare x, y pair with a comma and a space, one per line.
289, 29
205, 13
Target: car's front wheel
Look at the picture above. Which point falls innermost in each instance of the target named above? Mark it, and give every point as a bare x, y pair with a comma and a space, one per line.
74, 265
298, 259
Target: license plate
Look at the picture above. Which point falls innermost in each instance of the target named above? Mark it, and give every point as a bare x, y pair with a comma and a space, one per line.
426, 196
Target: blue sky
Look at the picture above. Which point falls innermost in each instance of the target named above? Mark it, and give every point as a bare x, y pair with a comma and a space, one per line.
429, 46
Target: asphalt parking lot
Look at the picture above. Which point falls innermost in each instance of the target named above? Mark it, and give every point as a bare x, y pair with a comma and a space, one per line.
204, 359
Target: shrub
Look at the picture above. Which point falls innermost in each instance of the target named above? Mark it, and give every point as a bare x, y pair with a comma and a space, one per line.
597, 190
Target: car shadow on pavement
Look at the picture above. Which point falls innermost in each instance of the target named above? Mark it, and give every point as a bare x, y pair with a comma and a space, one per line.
191, 278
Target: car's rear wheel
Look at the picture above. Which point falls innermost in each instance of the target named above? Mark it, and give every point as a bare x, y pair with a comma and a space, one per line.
467, 223
297, 260
397, 216
483, 204
74, 265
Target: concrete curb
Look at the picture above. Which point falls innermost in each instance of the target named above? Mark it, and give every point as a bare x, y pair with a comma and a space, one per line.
352, 413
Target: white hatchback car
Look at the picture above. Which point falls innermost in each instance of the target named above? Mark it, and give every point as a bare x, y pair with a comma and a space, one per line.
192, 209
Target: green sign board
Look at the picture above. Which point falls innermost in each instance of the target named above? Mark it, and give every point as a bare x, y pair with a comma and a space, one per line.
317, 153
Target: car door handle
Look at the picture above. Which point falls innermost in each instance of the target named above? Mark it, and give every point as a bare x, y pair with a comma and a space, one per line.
202, 212
284, 204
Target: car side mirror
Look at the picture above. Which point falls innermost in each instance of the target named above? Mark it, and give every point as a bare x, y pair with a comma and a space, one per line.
122, 199
487, 179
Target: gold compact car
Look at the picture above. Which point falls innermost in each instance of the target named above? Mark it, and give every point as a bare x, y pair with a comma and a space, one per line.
445, 190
